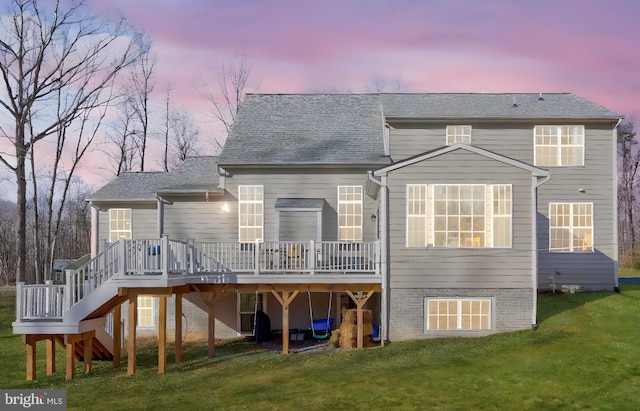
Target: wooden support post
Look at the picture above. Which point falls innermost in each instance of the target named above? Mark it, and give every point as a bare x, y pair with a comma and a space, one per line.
117, 336
162, 335
51, 355
30, 343
88, 350
285, 323
131, 343
178, 328
70, 356
212, 327
360, 302
285, 300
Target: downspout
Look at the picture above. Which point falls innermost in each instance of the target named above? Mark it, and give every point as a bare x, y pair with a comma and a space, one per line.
95, 229
534, 244
384, 252
161, 202
616, 286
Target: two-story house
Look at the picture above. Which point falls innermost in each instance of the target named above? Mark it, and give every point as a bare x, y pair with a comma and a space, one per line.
443, 214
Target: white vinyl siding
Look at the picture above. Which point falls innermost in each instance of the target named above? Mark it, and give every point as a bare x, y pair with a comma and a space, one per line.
457, 314
458, 134
119, 224
350, 213
559, 145
570, 227
250, 213
459, 215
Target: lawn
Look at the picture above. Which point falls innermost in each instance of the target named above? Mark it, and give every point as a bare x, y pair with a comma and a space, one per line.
584, 355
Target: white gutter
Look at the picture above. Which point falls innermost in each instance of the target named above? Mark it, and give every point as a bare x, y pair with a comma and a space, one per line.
535, 183
616, 286
384, 253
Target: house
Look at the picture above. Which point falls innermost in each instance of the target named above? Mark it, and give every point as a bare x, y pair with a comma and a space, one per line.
443, 214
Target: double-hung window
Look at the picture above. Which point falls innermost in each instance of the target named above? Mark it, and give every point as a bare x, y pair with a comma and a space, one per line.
350, 213
459, 215
458, 134
250, 213
559, 145
119, 224
146, 312
570, 227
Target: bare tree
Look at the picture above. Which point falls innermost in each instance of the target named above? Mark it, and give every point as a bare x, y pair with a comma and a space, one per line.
59, 49
184, 135
382, 85
629, 173
225, 100
8, 262
138, 90
121, 149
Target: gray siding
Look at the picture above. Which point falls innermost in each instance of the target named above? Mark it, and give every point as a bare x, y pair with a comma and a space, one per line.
298, 225
303, 183
597, 177
463, 267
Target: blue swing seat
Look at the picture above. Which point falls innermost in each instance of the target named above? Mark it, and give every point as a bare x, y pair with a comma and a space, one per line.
322, 327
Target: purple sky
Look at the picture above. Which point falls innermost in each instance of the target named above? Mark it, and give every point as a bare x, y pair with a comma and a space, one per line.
590, 48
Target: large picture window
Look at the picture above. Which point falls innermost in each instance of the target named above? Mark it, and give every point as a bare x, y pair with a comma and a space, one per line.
457, 314
559, 145
119, 224
350, 213
459, 215
250, 213
570, 227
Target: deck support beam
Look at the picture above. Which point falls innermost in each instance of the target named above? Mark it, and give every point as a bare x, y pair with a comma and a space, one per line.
30, 342
117, 336
360, 302
131, 342
162, 335
51, 355
178, 328
285, 300
88, 350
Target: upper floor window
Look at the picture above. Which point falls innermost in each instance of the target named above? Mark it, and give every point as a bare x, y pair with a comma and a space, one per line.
559, 145
570, 227
458, 134
119, 224
250, 213
459, 215
350, 213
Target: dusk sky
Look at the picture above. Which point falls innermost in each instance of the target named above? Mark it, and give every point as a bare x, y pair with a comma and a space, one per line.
590, 48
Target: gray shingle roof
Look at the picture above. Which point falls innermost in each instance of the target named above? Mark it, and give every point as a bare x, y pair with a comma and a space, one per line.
306, 129
347, 129
299, 203
194, 175
488, 105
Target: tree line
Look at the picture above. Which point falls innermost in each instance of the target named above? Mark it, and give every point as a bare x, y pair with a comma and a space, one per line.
72, 83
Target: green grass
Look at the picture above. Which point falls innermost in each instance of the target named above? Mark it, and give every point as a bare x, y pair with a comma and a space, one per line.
628, 272
584, 355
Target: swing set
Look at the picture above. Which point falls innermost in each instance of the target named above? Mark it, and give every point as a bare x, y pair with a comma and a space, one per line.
321, 328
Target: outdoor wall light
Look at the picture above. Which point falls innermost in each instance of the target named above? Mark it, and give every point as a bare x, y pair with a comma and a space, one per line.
373, 218
225, 207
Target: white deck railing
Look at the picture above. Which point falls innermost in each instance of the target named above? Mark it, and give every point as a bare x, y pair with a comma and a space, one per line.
162, 257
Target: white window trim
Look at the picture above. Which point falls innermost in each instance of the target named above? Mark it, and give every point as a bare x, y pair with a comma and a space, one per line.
361, 202
424, 187
455, 131
112, 230
459, 301
489, 232
571, 227
240, 202
559, 146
